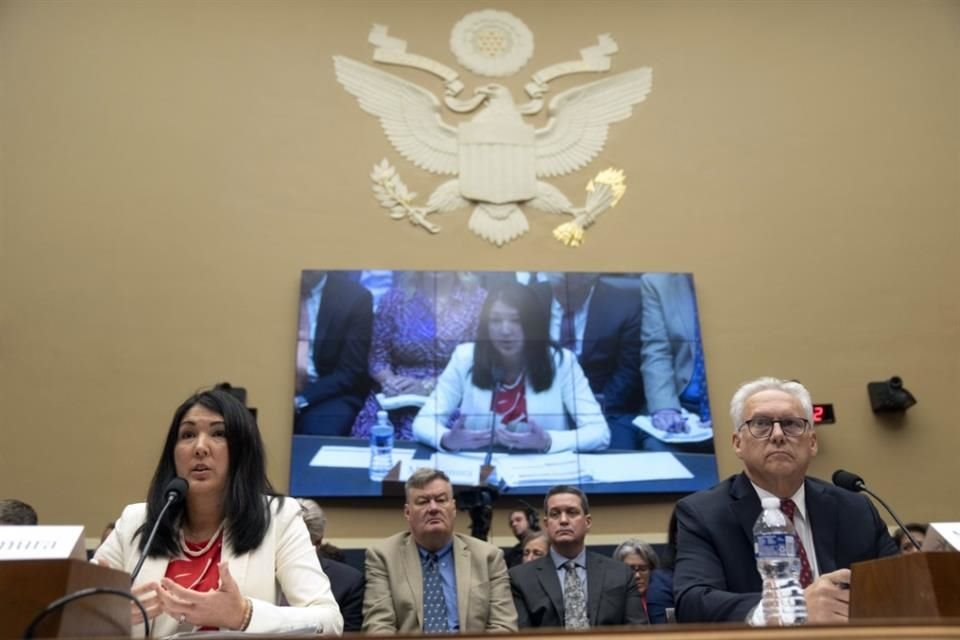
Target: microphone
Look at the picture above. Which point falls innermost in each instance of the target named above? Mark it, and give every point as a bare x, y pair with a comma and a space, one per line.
852, 482
175, 491
497, 375
848, 481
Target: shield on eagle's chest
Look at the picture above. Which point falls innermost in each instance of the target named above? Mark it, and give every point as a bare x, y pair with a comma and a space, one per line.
497, 162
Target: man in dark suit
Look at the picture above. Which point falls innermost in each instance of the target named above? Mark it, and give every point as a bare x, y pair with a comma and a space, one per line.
601, 324
336, 320
347, 585
716, 577
571, 587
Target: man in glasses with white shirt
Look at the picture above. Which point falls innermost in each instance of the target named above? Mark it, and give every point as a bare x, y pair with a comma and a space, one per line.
716, 577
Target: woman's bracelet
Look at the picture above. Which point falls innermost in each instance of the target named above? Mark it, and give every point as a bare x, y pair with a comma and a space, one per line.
247, 614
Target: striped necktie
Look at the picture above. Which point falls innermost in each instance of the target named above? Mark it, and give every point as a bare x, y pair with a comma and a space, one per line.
789, 507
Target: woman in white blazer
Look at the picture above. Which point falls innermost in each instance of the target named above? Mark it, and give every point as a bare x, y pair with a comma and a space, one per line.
513, 386
233, 548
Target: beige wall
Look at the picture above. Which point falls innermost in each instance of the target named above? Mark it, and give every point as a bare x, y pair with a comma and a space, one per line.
168, 168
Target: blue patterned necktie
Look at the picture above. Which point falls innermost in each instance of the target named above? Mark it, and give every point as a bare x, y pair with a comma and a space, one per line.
574, 599
434, 603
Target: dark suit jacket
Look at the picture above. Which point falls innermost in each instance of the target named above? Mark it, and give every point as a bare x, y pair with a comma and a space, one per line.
612, 596
716, 578
340, 351
660, 595
611, 346
514, 555
347, 586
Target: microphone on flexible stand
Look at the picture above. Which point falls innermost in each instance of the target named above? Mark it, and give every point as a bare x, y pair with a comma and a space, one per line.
175, 491
853, 482
497, 375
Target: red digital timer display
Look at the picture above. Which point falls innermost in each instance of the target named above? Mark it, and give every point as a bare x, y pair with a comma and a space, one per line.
823, 414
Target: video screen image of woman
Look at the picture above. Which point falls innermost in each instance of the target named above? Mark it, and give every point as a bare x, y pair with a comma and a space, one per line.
514, 379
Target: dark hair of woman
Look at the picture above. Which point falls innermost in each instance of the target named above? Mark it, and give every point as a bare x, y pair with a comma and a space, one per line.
537, 349
245, 503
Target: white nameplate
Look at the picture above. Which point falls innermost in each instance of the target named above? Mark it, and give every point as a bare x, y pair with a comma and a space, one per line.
42, 542
942, 536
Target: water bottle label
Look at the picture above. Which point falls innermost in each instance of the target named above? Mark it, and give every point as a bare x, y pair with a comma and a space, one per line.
775, 545
382, 440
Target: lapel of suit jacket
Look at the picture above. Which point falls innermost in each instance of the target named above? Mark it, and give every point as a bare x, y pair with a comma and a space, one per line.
238, 564
462, 569
823, 520
591, 331
595, 577
686, 312
328, 304
745, 503
547, 576
413, 571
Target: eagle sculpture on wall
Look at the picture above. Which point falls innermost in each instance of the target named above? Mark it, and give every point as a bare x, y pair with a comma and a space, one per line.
497, 160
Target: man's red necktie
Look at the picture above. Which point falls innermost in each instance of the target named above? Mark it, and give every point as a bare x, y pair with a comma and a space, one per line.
789, 507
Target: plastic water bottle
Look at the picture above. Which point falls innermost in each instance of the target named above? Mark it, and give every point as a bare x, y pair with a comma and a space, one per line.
381, 448
778, 561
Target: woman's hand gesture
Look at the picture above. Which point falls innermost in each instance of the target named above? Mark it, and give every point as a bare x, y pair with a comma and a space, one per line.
534, 439
223, 608
459, 438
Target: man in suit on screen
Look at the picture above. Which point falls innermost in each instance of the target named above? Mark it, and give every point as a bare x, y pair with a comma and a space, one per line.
336, 321
716, 577
672, 363
601, 324
571, 587
430, 579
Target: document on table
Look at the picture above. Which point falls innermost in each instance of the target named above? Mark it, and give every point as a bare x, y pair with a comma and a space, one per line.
696, 431
633, 467
389, 403
352, 457
524, 470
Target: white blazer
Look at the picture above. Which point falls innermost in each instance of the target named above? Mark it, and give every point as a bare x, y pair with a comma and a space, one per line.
285, 564
568, 398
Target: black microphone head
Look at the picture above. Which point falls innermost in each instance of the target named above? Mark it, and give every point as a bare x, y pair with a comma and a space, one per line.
848, 481
497, 374
176, 490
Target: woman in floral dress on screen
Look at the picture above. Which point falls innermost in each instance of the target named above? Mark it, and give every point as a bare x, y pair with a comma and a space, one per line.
418, 324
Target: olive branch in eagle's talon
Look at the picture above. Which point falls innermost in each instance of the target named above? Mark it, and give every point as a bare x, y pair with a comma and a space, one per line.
394, 195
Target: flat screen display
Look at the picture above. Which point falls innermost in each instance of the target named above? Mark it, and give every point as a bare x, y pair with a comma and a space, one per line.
519, 380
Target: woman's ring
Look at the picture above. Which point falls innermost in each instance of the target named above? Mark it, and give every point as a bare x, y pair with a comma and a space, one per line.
183, 618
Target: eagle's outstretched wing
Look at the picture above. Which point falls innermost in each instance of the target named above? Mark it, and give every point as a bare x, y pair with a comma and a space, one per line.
580, 117
410, 115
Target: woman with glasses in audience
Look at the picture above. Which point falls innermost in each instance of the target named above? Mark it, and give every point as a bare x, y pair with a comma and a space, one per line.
642, 559
224, 556
540, 399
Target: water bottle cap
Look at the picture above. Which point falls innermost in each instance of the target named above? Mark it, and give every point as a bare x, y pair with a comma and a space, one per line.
381, 415
770, 503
